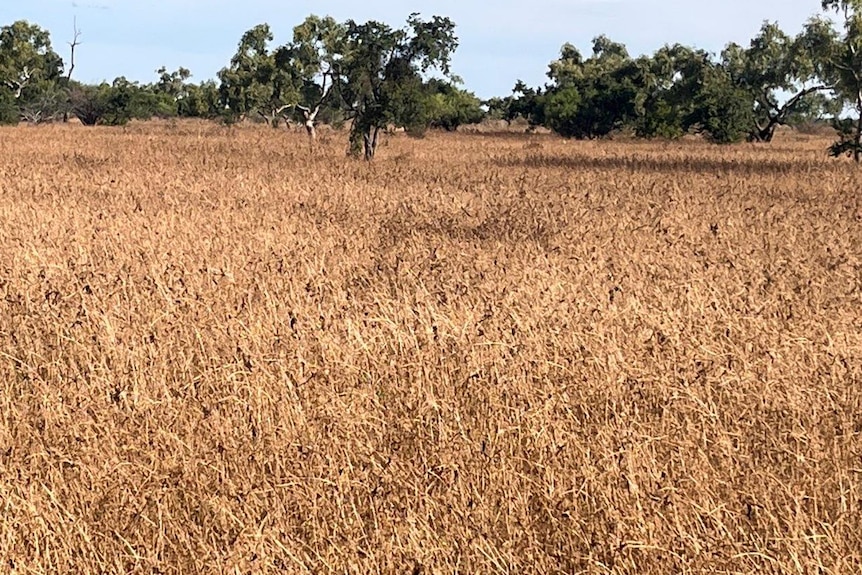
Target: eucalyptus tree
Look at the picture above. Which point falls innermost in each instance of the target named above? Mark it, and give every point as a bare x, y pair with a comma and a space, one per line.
781, 73
685, 90
315, 54
671, 78
381, 70
257, 81
843, 68
592, 97
29, 68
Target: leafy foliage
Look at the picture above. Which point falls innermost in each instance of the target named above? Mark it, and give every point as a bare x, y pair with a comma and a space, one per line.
381, 70
843, 68
524, 102
90, 103
777, 63
27, 61
9, 113
591, 98
449, 107
721, 110
258, 81
29, 72
376, 76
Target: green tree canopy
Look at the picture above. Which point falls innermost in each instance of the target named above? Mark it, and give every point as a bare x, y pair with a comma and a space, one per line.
258, 80
448, 106
381, 74
29, 68
842, 67
776, 65
590, 98
315, 56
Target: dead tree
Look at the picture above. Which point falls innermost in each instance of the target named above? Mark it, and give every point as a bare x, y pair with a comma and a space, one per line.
72, 45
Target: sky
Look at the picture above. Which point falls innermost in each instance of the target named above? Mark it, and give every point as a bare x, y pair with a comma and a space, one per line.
500, 42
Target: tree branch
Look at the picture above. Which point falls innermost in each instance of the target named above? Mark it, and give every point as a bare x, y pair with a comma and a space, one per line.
785, 109
23, 80
278, 111
72, 45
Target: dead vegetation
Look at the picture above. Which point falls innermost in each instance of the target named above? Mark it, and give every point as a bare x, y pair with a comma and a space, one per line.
222, 354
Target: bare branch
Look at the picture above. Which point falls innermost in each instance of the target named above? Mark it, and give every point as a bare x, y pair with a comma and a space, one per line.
19, 85
278, 111
324, 89
72, 45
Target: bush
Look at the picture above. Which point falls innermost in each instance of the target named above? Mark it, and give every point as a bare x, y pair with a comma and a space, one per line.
9, 112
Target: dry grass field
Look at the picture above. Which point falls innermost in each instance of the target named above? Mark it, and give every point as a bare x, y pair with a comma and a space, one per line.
509, 355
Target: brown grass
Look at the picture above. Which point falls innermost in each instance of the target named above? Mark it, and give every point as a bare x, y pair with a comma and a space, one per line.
477, 355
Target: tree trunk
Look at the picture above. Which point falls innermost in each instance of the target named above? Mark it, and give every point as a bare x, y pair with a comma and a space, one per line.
768, 132
765, 133
310, 121
778, 116
370, 141
857, 137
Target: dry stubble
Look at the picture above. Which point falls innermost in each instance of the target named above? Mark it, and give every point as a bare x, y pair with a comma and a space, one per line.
219, 354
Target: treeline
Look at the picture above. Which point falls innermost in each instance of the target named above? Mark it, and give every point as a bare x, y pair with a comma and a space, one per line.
372, 76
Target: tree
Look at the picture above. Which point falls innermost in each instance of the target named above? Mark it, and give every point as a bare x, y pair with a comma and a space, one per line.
591, 98
315, 55
173, 84
721, 110
449, 107
819, 108
256, 82
524, 102
380, 74
777, 63
564, 110
9, 113
685, 90
49, 105
200, 101
172, 93
117, 103
28, 65
843, 68
89, 103
671, 77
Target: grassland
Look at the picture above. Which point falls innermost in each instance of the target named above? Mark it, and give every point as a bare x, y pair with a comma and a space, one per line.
222, 354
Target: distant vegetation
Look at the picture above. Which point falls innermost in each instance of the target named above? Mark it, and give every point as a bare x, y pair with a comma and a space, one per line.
372, 76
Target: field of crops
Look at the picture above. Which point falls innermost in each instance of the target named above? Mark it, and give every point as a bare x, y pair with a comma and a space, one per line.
221, 352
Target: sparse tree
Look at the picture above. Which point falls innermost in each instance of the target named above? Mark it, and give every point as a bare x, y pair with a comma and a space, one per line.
315, 54
73, 45
255, 82
381, 71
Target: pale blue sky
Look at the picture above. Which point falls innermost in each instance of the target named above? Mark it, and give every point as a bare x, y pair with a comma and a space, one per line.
500, 41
